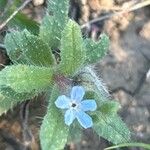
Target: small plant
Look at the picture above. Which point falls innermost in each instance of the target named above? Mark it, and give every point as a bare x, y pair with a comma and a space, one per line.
73, 88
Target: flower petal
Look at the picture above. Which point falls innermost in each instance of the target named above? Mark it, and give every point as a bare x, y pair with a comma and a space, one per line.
88, 105
62, 102
77, 93
84, 119
69, 116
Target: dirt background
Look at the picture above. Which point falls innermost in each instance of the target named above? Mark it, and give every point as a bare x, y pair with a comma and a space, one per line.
124, 69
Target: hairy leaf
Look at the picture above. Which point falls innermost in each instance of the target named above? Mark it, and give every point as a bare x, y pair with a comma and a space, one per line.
109, 107
96, 89
50, 32
105, 106
21, 21
2, 5
23, 47
96, 50
52, 26
26, 79
91, 82
75, 133
54, 132
58, 8
112, 128
9, 98
106, 122
72, 50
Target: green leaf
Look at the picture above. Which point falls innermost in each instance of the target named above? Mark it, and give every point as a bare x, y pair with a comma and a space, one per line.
52, 26
105, 106
91, 82
9, 98
23, 47
109, 107
50, 32
23, 22
112, 128
58, 8
75, 133
54, 132
96, 50
26, 79
72, 50
20, 20
3, 4
106, 122
47, 33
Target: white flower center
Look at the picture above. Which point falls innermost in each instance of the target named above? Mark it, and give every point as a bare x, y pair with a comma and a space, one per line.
73, 104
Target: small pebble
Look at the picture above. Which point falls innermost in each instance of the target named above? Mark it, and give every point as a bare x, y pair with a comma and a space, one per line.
37, 2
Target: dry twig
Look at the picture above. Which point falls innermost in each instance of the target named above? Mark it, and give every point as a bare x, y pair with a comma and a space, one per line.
2, 46
127, 10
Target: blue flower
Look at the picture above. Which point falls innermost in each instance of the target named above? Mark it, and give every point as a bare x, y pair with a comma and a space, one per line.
76, 107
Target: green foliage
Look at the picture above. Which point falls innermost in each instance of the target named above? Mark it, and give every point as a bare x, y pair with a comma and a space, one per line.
9, 98
20, 20
53, 133
59, 9
75, 133
26, 79
96, 50
23, 22
47, 32
23, 47
52, 26
107, 123
109, 107
2, 4
91, 82
112, 128
35, 70
72, 51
